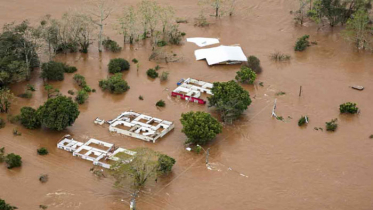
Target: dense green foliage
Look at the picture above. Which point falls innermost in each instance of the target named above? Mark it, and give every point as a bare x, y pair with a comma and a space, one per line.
117, 65
5, 206
199, 127
81, 97
152, 73
332, 125
161, 103
230, 99
53, 71
165, 163
359, 30
18, 54
42, 151
246, 75
29, 118
114, 84
303, 120
348, 107
58, 113
51, 91
12, 160
254, 64
302, 43
69, 69
80, 80
111, 45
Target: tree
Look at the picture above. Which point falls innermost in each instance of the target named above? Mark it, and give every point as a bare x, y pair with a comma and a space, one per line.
115, 84
111, 45
5, 206
42, 151
160, 103
230, 99
29, 119
253, 63
12, 160
167, 17
331, 125
58, 113
6, 99
246, 75
100, 11
84, 30
149, 16
128, 24
80, 80
144, 166
301, 13
51, 91
117, 65
152, 73
358, 30
199, 127
221, 7
53, 71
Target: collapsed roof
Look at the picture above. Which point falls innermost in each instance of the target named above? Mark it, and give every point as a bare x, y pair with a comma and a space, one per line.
221, 55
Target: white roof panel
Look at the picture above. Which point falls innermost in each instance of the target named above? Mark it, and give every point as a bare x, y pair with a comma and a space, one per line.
202, 42
221, 54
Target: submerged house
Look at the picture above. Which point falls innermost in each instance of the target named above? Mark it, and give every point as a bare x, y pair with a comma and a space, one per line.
99, 152
139, 126
221, 55
192, 89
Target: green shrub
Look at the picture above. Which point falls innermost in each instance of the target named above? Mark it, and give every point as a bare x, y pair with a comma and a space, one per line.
81, 97
42, 151
44, 206
280, 93
12, 160
114, 84
152, 73
117, 65
348, 107
30, 87
141, 98
135, 60
161, 103
157, 67
87, 89
70, 69
80, 80
71, 92
2, 123
164, 76
303, 120
165, 163
5, 206
53, 71
183, 33
2, 156
332, 125
29, 118
254, 64
246, 75
93, 90
302, 43
111, 45
161, 43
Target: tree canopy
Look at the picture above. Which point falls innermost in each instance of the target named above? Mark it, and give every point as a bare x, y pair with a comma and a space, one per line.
5, 206
12, 160
246, 75
115, 84
29, 118
58, 113
117, 65
230, 99
199, 127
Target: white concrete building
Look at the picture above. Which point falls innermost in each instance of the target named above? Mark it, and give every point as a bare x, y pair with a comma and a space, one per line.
139, 126
99, 152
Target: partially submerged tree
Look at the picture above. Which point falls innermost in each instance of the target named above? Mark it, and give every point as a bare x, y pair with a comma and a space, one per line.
13, 161
302, 43
331, 125
53, 71
348, 107
6, 99
5, 206
199, 127
29, 118
115, 84
58, 113
245, 75
220, 7
230, 99
128, 25
81, 97
100, 11
359, 30
117, 65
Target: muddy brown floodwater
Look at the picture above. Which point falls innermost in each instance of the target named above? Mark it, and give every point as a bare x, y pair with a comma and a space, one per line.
258, 163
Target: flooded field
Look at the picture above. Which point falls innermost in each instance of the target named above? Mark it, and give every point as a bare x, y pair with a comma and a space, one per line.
258, 163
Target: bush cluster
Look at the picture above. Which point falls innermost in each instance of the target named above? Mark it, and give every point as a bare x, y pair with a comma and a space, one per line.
117, 65
152, 73
81, 96
302, 43
161, 103
246, 75
54, 71
114, 84
29, 118
13, 161
332, 125
111, 45
348, 107
42, 151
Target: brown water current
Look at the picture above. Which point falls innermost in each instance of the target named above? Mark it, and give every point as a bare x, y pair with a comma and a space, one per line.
258, 163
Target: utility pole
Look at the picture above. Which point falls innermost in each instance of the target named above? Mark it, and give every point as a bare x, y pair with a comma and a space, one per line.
207, 155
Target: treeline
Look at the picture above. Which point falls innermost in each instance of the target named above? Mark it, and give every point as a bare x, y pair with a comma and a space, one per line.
354, 14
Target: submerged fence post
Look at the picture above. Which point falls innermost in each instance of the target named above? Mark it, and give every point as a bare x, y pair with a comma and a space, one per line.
300, 91
207, 155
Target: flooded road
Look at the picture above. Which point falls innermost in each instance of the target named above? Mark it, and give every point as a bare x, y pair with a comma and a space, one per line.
258, 163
